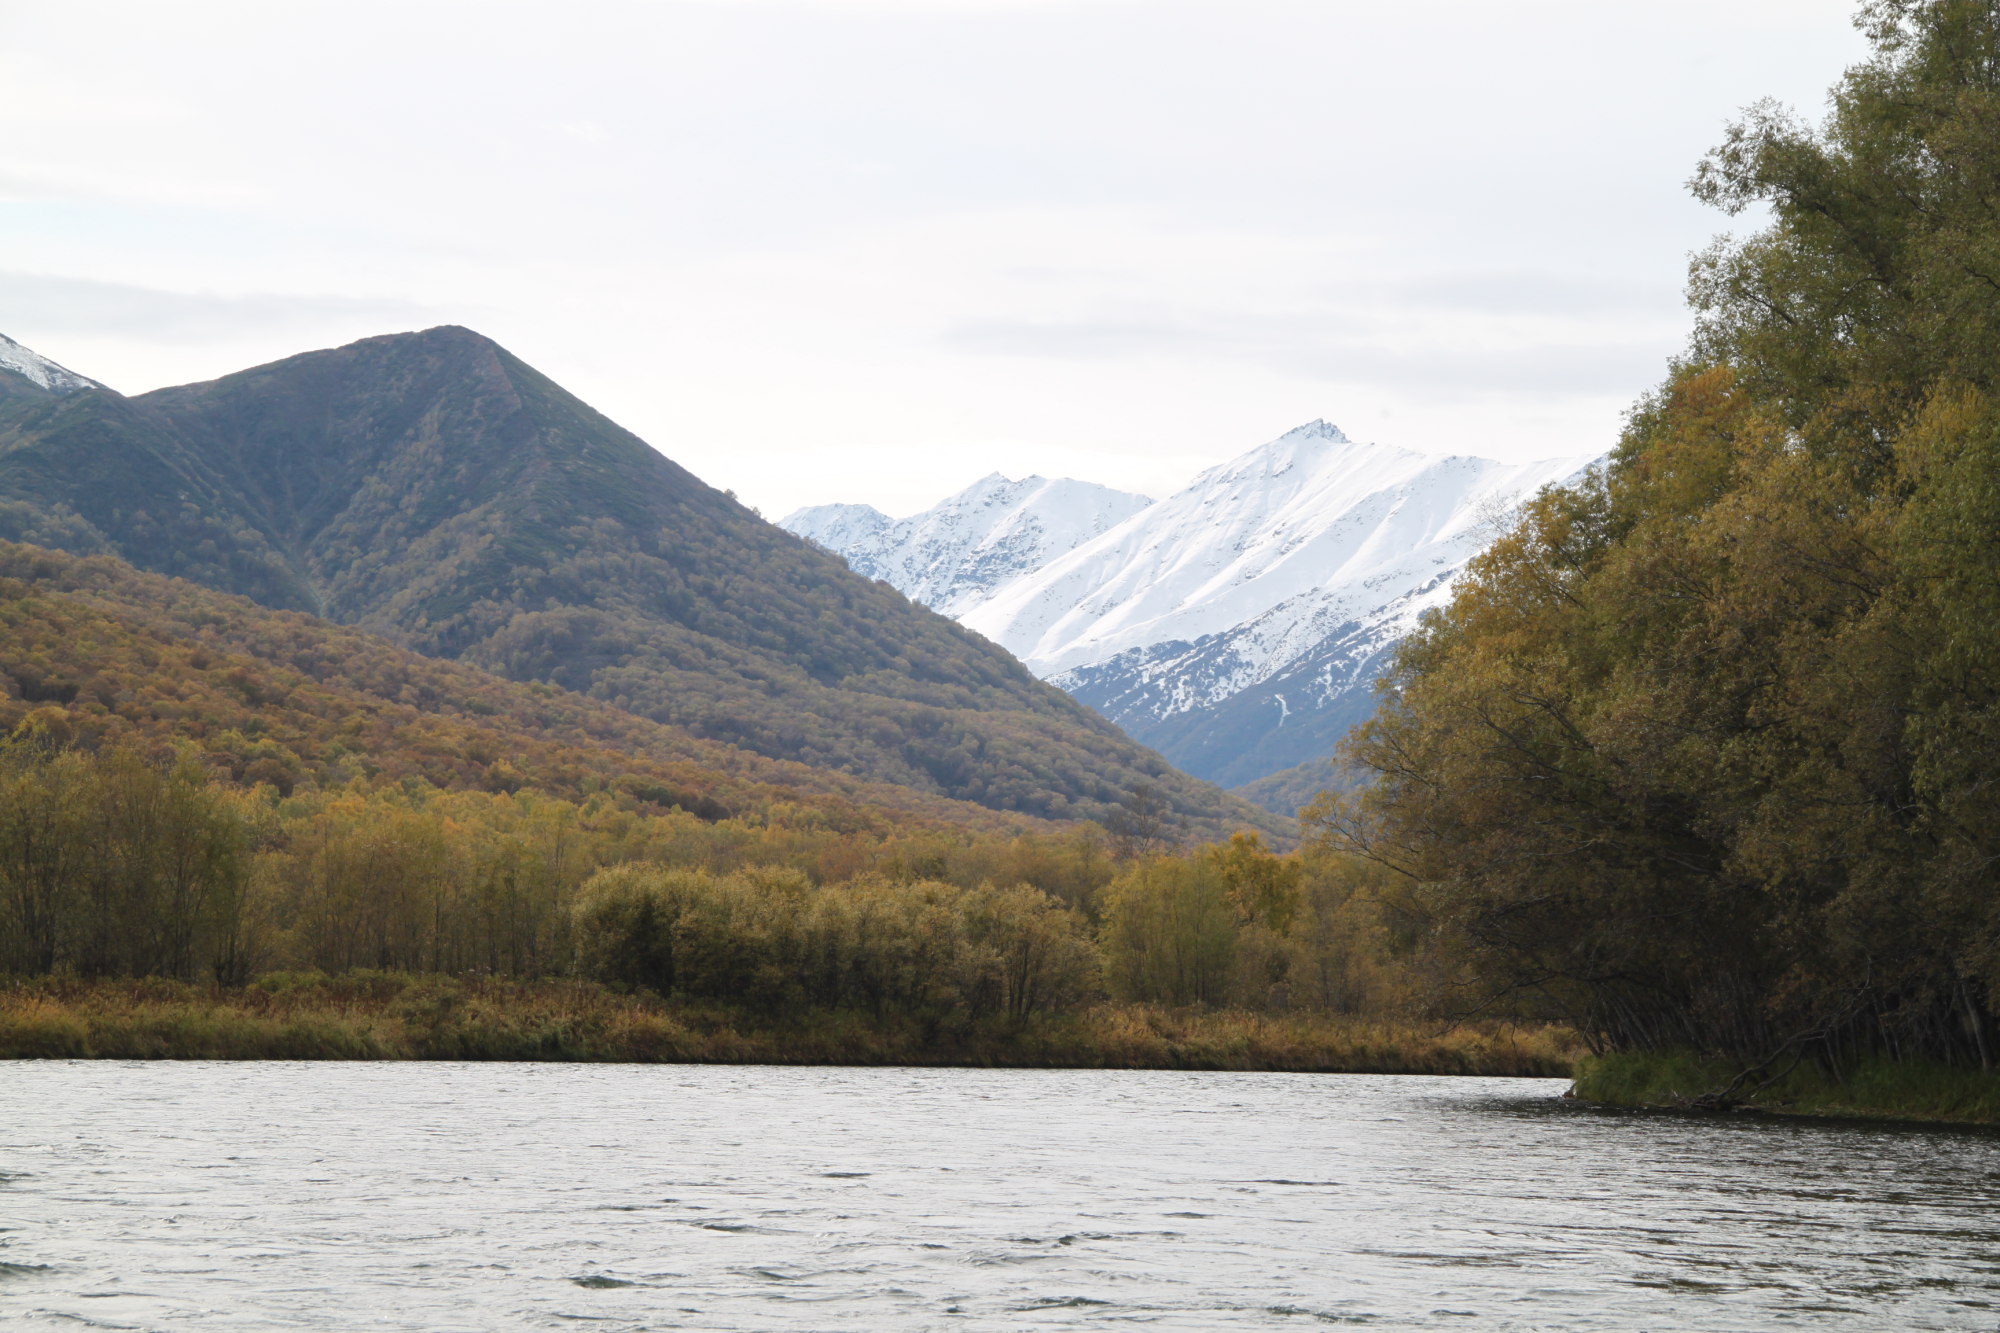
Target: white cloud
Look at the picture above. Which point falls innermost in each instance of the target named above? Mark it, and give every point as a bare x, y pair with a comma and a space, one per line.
860, 249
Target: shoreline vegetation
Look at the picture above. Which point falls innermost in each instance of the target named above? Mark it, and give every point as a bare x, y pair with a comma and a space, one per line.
398, 1016
157, 911
152, 908
369, 1015
1862, 1090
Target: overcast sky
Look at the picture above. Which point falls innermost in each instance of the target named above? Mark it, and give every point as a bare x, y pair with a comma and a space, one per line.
873, 249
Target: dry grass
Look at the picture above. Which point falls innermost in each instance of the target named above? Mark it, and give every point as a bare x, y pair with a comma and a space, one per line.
377, 1016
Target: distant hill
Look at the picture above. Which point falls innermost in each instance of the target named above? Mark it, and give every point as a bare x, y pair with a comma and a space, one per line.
433, 489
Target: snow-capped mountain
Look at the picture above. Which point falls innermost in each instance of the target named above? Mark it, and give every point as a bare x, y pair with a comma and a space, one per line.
955, 555
839, 528
39, 370
1237, 626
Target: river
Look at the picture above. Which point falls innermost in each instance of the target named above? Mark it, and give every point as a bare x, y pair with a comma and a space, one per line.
219, 1196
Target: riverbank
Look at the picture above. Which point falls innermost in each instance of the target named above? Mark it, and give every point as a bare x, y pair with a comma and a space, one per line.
375, 1016
1867, 1090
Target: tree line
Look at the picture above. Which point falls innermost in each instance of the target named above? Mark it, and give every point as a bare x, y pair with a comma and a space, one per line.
116, 864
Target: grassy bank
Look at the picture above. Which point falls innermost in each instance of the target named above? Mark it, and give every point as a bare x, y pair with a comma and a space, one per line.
1867, 1089
397, 1017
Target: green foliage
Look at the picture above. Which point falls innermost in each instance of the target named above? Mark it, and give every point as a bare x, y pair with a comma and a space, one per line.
1170, 933
1291, 790
1667, 1078
1233, 924
1879, 279
1871, 1088
96, 653
1263, 887
115, 868
772, 941
485, 883
110, 866
1702, 754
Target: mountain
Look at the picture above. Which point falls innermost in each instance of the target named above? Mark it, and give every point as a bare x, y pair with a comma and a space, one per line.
433, 489
957, 554
1239, 625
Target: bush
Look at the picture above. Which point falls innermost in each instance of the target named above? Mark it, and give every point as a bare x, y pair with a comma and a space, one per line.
771, 940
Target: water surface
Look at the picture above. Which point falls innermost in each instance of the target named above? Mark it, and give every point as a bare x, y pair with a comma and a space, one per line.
218, 1196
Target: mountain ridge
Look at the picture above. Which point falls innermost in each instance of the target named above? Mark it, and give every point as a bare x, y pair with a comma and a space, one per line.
953, 556
1238, 625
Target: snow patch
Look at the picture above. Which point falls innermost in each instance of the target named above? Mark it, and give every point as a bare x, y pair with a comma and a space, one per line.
38, 369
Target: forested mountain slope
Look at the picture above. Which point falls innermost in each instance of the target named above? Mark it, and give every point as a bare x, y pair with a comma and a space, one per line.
433, 489
107, 655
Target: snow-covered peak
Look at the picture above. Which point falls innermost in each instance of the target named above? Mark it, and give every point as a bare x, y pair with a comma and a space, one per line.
1309, 511
1319, 428
1237, 624
38, 369
837, 527
1300, 454
953, 555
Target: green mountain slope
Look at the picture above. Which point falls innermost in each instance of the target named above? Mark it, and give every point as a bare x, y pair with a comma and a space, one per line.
435, 490
1291, 790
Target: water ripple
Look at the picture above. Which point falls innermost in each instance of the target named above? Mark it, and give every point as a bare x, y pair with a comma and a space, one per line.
221, 1197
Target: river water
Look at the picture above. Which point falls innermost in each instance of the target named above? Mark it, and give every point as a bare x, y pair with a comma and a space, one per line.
198, 1196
